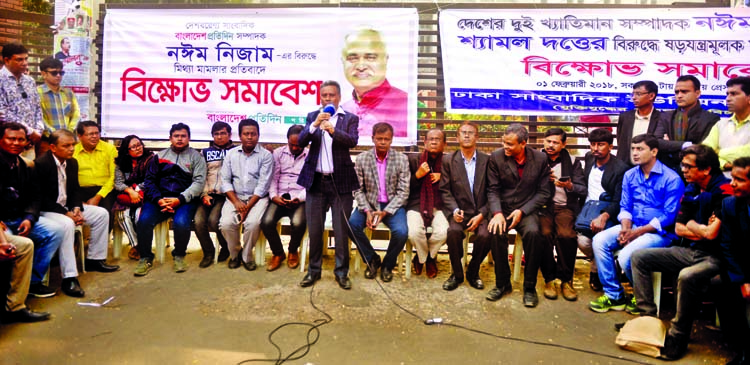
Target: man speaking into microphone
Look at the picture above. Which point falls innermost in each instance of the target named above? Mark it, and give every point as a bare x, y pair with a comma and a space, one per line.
328, 176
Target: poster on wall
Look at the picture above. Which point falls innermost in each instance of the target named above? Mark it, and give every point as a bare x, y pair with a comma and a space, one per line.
199, 66
585, 61
73, 46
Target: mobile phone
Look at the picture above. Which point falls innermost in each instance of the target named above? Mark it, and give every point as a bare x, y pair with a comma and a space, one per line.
564, 179
9, 250
286, 196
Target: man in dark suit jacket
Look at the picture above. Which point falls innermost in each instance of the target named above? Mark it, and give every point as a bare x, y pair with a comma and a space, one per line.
607, 179
689, 124
463, 188
518, 179
68, 209
642, 119
735, 289
329, 177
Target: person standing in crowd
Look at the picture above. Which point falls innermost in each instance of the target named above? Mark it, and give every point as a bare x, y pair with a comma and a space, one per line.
730, 138
59, 104
640, 120
19, 101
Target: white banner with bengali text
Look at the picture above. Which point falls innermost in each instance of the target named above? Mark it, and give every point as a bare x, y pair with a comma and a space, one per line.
585, 61
199, 66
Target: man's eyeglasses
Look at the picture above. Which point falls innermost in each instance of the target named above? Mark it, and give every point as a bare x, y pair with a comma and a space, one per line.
685, 166
638, 94
136, 147
56, 73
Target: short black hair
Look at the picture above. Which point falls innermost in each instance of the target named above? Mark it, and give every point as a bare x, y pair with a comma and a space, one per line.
81, 127
743, 81
705, 157
179, 127
601, 135
248, 123
742, 162
331, 83
442, 133
382, 127
50, 62
12, 126
691, 78
294, 130
13, 48
519, 130
63, 39
650, 86
556, 132
55, 136
648, 139
219, 126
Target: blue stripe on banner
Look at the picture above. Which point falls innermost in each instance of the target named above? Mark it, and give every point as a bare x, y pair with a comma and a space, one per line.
564, 102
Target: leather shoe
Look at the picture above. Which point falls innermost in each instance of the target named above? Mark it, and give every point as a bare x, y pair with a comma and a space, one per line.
594, 282
235, 262
674, 347
431, 267
476, 283
344, 282
206, 261
72, 288
100, 266
223, 254
530, 299
275, 263
416, 265
568, 292
550, 290
25, 315
293, 260
498, 292
309, 280
452, 283
386, 275
250, 265
375, 263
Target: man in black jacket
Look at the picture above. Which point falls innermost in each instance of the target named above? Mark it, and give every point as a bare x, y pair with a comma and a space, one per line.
686, 125
56, 173
642, 119
603, 174
558, 219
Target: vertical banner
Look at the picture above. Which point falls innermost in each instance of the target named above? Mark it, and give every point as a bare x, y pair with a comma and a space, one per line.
199, 66
73, 47
585, 61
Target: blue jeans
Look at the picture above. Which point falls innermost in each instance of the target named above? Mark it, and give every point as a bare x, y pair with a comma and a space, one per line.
47, 236
151, 215
605, 246
399, 233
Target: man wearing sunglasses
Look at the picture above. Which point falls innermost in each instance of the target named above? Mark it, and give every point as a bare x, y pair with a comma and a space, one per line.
59, 104
18, 101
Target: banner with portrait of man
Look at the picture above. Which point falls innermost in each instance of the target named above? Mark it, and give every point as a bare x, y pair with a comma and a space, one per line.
199, 66
585, 61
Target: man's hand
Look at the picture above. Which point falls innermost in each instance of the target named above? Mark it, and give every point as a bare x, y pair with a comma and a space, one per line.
374, 218
473, 223
208, 200
598, 223
76, 219
567, 185
435, 176
95, 200
515, 218
497, 224
627, 236
322, 117
24, 228
7, 252
552, 176
134, 196
458, 216
745, 291
328, 127
279, 201
423, 170
242, 208
168, 204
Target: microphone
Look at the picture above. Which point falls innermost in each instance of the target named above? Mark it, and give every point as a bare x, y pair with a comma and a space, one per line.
329, 109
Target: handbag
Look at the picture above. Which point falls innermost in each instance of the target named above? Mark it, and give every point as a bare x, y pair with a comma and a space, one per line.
124, 199
644, 335
590, 211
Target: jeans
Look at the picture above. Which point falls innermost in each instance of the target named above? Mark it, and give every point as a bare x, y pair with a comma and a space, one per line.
399, 233
207, 220
606, 245
47, 236
298, 223
151, 215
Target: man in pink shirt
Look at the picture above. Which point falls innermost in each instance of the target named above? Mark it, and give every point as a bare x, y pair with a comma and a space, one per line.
374, 100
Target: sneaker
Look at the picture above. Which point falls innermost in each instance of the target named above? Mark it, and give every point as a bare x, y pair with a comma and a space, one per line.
41, 291
179, 264
144, 266
631, 307
133, 254
603, 304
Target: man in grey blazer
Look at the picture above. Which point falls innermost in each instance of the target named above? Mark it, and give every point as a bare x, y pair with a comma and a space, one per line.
519, 186
383, 191
642, 119
688, 124
463, 187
